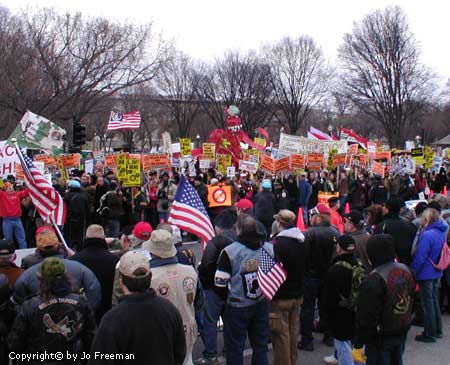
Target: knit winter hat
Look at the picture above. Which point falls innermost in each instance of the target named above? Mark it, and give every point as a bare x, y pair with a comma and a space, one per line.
51, 268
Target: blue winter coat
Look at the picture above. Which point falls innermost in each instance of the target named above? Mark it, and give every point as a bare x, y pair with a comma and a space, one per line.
429, 248
304, 193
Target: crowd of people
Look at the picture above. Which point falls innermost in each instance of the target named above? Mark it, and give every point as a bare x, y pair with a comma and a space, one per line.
361, 268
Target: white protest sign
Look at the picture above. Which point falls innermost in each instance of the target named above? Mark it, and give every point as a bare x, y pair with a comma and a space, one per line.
176, 148
40, 166
290, 144
248, 166
231, 171
166, 143
8, 157
205, 164
89, 166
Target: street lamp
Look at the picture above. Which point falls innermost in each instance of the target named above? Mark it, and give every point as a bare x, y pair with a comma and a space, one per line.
418, 139
198, 140
330, 129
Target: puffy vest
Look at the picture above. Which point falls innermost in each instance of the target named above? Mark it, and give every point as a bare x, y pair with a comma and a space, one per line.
244, 290
400, 285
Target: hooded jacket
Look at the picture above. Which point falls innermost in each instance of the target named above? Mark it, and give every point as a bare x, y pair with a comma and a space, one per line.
429, 247
96, 257
290, 249
264, 207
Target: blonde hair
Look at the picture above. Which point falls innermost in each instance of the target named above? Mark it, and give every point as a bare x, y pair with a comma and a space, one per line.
430, 216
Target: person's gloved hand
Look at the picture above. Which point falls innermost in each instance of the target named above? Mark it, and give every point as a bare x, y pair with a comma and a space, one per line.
358, 355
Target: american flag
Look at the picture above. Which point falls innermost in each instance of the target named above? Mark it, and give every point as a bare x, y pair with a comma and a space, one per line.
124, 121
189, 214
46, 199
271, 274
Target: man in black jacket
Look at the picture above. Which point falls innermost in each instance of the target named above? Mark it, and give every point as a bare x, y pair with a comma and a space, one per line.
264, 207
290, 250
402, 231
321, 241
215, 297
95, 256
338, 285
383, 316
144, 327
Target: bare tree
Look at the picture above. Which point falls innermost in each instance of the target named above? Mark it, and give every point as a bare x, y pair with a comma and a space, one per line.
177, 85
65, 66
242, 80
382, 74
299, 75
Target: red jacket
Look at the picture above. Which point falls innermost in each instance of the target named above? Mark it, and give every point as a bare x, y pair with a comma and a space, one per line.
10, 204
337, 221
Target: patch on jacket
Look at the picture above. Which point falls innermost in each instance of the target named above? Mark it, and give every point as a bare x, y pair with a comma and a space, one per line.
188, 284
163, 289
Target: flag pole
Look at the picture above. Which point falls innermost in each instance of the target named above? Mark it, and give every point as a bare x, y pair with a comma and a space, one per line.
52, 219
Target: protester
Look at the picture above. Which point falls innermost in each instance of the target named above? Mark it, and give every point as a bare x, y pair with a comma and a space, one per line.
383, 316
246, 310
10, 211
7, 265
56, 319
175, 282
143, 324
429, 247
264, 207
280, 196
291, 251
354, 227
166, 195
336, 218
304, 194
96, 257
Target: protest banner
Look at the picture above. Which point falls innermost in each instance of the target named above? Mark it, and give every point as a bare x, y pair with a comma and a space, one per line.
315, 161
297, 161
283, 164
121, 162
133, 172
383, 155
111, 160
8, 157
61, 168
49, 161
89, 166
339, 159
231, 171
185, 146
428, 157
219, 196
323, 197
260, 141
289, 144
372, 150
268, 164
166, 143
223, 161
19, 171
71, 161
151, 162
204, 164
377, 168
362, 159
417, 155
209, 151
353, 149
249, 166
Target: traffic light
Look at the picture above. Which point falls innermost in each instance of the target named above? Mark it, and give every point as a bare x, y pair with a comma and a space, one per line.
79, 134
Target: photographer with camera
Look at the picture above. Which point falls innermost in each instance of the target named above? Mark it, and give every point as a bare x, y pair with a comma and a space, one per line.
166, 195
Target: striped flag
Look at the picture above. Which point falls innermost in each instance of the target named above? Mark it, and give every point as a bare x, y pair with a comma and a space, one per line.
351, 136
46, 199
319, 134
189, 214
271, 274
119, 121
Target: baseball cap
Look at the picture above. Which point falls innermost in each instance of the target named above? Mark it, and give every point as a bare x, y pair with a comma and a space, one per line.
266, 184
323, 209
6, 247
51, 268
74, 184
244, 204
142, 231
356, 217
132, 261
346, 242
46, 238
285, 217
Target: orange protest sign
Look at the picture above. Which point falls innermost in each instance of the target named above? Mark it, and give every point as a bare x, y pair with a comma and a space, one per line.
353, 149
323, 196
268, 164
339, 159
315, 161
378, 168
282, 164
219, 196
297, 161
383, 155
150, 162
362, 160
72, 160
110, 160
49, 161
19, 171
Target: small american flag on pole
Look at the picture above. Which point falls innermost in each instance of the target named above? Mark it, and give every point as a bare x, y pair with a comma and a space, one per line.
189, 214
119, 121
271, 274
45, 198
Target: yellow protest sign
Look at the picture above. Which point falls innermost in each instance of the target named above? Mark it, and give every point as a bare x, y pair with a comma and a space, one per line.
2, 184
185, 146
133, 172
428, 157
260, 141
61, 168
209, 151
223, 161
121, 162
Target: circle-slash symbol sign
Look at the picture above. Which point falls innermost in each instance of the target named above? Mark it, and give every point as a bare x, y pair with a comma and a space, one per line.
220, 196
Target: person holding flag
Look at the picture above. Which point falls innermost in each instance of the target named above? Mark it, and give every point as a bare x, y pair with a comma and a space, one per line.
11, 211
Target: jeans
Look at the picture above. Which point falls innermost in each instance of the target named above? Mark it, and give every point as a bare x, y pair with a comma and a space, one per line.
13, 227
284, 324
429, 297
113, 227
390, 352
240, 321
214, 308
305, 214
344, 352
312, 293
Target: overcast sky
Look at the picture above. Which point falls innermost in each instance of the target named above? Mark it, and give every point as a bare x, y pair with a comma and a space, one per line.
204, 29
